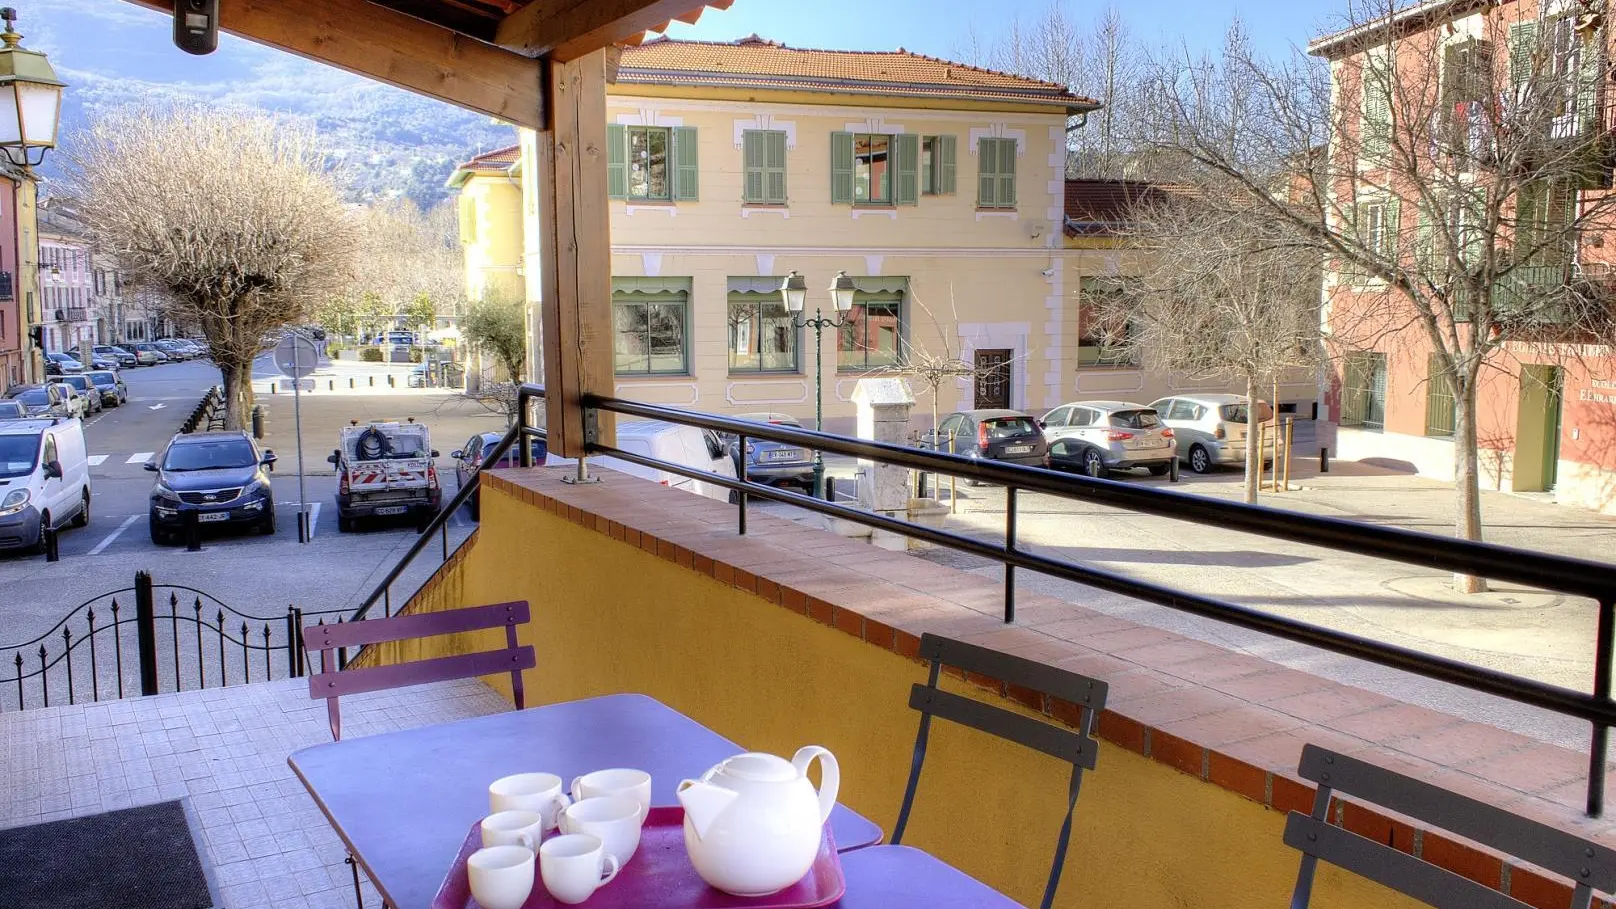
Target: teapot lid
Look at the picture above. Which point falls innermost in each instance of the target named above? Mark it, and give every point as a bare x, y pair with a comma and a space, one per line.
760, 768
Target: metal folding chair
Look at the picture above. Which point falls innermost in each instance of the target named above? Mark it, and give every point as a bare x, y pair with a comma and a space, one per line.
1586, 865
332, 682
1078, 747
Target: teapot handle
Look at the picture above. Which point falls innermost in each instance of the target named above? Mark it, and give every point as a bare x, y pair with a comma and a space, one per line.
830, 775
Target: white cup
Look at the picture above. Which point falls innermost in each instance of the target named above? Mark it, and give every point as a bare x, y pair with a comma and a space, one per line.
513, 828
574, 865
537, 792
501, 876
614, 820
631, 784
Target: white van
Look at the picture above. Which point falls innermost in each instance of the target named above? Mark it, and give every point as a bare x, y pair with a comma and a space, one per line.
687, 445
44, 480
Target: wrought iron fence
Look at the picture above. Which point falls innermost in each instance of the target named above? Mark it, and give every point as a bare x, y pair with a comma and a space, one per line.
149, 639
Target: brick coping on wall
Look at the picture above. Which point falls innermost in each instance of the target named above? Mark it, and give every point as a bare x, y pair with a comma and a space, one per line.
1232, 720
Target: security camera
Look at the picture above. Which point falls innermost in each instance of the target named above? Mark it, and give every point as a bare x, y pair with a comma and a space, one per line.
1048, 272
196, 26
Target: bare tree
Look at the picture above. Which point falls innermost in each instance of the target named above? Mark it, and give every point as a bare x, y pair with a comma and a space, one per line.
410, 270
1446, 175
1228, 293
230, 215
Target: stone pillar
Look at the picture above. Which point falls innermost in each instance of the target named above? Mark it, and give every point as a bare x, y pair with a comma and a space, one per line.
883, 416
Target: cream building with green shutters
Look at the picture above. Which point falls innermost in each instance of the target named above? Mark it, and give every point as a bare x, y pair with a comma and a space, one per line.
939, 188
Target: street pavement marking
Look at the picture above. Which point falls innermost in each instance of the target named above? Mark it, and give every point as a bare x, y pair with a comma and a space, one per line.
140, 457
114, 535
97, 460
314, 518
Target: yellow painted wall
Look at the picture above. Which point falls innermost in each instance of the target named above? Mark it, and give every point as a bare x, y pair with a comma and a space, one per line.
610, 618
491, 235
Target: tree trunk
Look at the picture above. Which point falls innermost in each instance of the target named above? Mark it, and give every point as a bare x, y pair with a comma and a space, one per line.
1466, 474
238, 394
1253, 435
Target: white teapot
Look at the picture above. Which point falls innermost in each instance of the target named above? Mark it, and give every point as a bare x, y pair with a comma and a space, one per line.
753, 823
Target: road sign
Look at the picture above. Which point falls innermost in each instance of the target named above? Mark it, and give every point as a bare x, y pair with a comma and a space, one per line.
296, 356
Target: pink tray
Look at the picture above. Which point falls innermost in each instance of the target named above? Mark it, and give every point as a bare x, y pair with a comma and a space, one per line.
660, 875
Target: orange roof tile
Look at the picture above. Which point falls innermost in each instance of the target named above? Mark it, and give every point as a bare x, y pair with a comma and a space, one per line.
754, 62
499, 159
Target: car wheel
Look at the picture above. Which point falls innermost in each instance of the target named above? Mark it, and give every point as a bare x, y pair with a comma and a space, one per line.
44, 524
82, 519
344, 524
1093, 464
1159, 470
159, 537
1200, 460
267, 527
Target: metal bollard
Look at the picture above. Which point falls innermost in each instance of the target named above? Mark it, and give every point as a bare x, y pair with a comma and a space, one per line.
350, 382
193, 533
330, 384
372, 381
48, 535
390, 381
258, 421
1324, 459
1172, 470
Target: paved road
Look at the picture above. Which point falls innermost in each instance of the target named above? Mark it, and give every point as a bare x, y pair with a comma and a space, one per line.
255, 575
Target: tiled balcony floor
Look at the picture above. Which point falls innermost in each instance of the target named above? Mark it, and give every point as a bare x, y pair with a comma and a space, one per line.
224, 751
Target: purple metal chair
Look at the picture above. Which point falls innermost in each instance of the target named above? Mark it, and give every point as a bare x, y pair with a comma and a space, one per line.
331, 683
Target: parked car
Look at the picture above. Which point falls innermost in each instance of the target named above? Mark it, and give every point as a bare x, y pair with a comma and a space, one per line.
476, 452
999, 435
120, 357
13, 410
1097, 437
773, 463
222, 477
174, 350
385, 469
50, 400
191, 348
1211, 428
419, 376
76, 405
44, 480
698, 449
86, 389
150, 354
60, 364
113, 391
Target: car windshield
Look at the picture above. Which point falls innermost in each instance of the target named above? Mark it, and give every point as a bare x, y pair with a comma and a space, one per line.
1136, 419
17, 455
79, 382
103, 378
1236, 413
33, 396
1009, 427
220, 454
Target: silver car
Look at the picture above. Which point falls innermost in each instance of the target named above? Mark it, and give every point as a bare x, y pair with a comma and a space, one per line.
1211, 428
1101, 436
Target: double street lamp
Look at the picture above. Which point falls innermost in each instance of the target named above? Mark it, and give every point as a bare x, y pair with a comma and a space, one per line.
794, 290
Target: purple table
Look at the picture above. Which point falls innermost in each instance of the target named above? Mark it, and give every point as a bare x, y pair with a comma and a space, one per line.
403, 801
898, 877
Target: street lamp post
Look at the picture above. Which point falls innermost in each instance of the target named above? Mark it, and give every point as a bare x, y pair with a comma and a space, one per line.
794, 290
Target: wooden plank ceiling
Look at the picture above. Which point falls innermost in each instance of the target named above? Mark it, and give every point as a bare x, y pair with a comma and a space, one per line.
480, 54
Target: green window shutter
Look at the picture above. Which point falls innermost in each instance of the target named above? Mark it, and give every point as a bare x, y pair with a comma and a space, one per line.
841, 168
1425, 247
685, 163
1522, 43
906, 169
616, 161
987, 171
754, 157
1394, 228
945, 148
1007, 173
774, 173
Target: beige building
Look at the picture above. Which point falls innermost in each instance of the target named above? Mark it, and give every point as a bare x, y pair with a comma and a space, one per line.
939, 188
491, 222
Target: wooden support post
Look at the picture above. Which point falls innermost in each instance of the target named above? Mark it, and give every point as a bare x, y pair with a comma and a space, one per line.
575, 246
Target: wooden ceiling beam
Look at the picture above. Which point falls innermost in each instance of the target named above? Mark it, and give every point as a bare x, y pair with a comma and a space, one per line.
390, 47
569, 29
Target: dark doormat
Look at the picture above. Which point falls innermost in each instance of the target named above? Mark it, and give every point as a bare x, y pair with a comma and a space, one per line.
135, 858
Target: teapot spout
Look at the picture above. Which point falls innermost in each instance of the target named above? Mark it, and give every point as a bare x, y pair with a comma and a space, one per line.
703, 803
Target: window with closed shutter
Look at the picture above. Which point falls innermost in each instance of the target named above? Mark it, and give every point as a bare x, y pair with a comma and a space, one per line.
996, 173
763, 154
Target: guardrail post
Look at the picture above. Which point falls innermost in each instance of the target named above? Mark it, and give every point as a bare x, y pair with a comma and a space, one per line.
1324, 459
1009, 547
47, 535
193, 532
291, 642
1601, 739
146, 632
740, 495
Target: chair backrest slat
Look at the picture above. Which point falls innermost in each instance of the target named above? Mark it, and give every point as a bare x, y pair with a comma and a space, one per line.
1387, 866
1055, 741
1565, 854
420, 672
1069, 686
422, 625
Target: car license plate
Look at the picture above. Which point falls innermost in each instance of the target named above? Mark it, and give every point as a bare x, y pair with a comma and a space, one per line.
392, 509
1018, 449
211, 517
783, 454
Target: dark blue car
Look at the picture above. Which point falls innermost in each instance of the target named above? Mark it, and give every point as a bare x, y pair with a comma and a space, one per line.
221, 477
476, 451
773, 463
